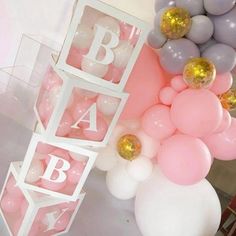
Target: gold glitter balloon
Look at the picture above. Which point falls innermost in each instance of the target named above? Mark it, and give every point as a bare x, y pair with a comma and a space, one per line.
228, 99
175, 22
129, 147
199, 73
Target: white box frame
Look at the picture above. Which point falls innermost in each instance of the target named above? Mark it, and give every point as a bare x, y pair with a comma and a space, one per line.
69, 83
15, 169
30, 155
113, 12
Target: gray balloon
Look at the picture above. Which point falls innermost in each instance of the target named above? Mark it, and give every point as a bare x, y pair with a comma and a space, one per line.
156, 39
201, 30
206, 45
175, 54
223, 56
157, 20
218, 7
159, 4
225, 27
195, 7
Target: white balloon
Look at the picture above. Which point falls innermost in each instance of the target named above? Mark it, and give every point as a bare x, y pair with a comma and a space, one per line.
150, 146
140, 169
164, 208
36, 170
106, 158
107, 105
132, 124
120, 184
83, 37
116, 134
122, 54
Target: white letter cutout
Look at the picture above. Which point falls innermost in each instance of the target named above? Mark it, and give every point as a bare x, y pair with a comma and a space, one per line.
52, 166
98, 44
92, 120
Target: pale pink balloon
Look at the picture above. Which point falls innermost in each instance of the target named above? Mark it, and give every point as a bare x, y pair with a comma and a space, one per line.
62, 222
146, 78
225, 123
222, 83
167, 95
223, 145
114, 74
178, 84
71, 206
65, 125
184, 160
12, 189
196, 112
51, 80
51, 185
98, 135
76, 56
44, 148
75, 172
10, 203
156, 122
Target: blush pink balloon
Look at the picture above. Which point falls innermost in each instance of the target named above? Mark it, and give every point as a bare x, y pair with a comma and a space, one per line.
225, 123
196, 112
44, 148
178, 84
114, 74
51, 185
147, 75
65, 125
184, 160
51, 80
80, 108
75, 172
223, 145
98, 135
156, 122
167, 95
222, 83
76, 56
10, 203
62, 222
12, 189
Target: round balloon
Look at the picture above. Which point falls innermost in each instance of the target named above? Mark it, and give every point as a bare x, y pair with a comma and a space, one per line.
164, 208
194, 7
196, 112
163, 3
218, 7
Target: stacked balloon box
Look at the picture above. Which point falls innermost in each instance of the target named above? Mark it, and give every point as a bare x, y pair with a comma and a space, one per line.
79, 103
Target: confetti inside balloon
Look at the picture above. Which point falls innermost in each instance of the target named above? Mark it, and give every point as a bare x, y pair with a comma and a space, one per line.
199, 73
129, 147
228, 99
175, 23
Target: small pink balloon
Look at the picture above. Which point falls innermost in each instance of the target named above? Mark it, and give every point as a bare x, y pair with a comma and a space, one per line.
43, 148
51, 80
114, 74
62, 222
196, 112
51, 185
65, 125
167, 95
222, 83
225, 123
184, 160
12, 189
75, 172
10, 203
71, 206
178, 84
76, 56
156, 122
98, 135
147, 75
223, 145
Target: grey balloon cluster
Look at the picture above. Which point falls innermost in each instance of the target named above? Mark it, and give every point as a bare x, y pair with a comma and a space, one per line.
212, 35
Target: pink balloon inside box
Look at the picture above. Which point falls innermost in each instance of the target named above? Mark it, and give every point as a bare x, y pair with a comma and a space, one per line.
31, 213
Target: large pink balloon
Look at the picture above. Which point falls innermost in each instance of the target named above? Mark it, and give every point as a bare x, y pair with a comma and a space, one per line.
222, 83
156, 122
144, 84
223, 145
185, 160
196, 112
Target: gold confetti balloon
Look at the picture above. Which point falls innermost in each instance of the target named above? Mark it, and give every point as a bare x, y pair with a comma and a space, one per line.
175, 23
199, 73
228, 99
129, 147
